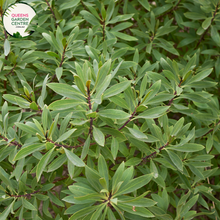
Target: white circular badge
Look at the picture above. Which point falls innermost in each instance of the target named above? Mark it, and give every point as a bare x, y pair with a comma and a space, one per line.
17, 18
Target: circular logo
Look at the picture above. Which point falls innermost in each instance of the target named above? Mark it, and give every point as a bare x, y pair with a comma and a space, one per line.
17, 18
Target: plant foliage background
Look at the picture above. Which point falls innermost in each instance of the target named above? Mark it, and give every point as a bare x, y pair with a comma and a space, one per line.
110, 110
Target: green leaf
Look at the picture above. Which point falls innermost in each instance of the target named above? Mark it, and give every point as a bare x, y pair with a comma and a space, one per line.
114, 114
80, 84
102, 73
135, 184
190, 147
152, 113
215, 35
6, 212
42, 164
26, 128
114, 147
28, 205
65, 135
71, 168
138, 201
165, 30
16, 100
145, 4
68, 5
136, 210
93, 178
83, 212
195, 15
196, 171
209, 143
206, 23
201, 75
137, 134
117, 177
153, 169
124, 36
98, 136
133, 161
177, 127
64, 104
116, 89
28, 150
54, 199
89, 17
110, 214
66, 90
73, 158
189, 205
58, 162
119, 101
167, 46
119, 53
110, 10
175, 159
59, 72
85, 149
6, 47
52, 41
103, 169
98, 211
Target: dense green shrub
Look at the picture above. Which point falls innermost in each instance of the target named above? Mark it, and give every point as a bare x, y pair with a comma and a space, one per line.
110, 110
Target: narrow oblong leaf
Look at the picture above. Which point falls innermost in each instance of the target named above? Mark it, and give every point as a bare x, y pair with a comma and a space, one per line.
42, 164
28, 150
135, 184
190, 147
114, 147
114, 114
141, 211
59, 72
73, 158
66, 90
85, 149
6, 47
98, 136
116, 89
65, 135
64, 104
153, 113
176, 160
28, 205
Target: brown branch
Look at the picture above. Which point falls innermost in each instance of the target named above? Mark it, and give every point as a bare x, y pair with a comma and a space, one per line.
90, 108
171, 100
206, 31
28, 195
103, 30
170, 11
83, 5
12, 143
51, 11
154, 153
132, 115
60, 179
11, 70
